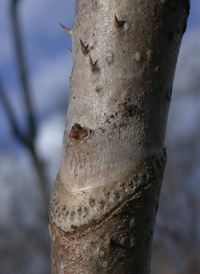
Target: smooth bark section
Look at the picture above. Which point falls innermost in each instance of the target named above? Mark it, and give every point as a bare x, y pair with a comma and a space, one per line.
105, 198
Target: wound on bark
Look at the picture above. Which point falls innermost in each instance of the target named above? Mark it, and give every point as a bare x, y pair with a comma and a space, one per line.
78, 133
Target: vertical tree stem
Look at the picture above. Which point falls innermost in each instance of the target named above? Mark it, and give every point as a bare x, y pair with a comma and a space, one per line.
105, 198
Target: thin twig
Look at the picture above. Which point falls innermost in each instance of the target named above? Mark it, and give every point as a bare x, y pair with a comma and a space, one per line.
10, 114
22, 68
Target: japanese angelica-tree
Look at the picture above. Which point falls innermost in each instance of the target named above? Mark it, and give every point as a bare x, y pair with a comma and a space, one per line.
106, 194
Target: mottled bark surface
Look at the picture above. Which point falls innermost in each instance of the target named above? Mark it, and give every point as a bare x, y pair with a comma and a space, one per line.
103, 206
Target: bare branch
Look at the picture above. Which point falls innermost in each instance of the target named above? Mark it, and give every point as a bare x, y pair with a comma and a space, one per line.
22, 68
10, 114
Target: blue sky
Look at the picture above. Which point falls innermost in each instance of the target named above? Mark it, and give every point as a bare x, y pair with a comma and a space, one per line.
48, 59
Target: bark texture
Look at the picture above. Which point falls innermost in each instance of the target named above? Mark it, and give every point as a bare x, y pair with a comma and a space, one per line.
105, 197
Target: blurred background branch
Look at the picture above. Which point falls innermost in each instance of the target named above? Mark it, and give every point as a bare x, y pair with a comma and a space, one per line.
10, 113
23, 72
28, 138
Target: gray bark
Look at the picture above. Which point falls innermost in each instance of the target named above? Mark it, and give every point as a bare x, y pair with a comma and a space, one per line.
105, 197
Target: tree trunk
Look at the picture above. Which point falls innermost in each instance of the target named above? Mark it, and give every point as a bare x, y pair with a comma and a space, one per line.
105, 197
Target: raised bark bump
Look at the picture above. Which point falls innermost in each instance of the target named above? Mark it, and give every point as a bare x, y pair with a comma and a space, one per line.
109, 57
138, 57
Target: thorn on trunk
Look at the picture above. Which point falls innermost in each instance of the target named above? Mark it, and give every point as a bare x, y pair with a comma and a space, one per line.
70, 51
84, 49
118, 23
93, 66
68, 31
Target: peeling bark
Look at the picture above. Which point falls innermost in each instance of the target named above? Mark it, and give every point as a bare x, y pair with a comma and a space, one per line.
105, 197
